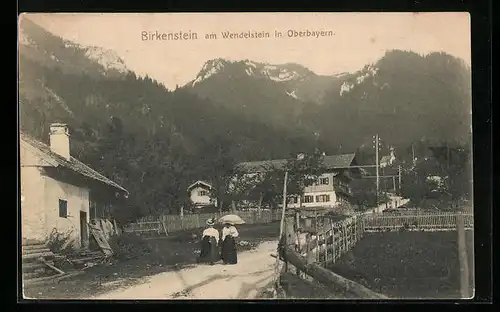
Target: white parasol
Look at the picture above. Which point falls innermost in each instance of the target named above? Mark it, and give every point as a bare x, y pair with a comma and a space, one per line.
231, 219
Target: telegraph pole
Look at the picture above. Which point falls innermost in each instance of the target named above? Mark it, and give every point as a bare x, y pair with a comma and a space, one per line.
377, 165
399, 179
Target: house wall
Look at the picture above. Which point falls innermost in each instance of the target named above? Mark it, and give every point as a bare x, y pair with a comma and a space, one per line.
77, 199
32, 208
321, 187
197, 199
331, 203
40, 201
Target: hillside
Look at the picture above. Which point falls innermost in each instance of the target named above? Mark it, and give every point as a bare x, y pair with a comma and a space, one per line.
153, 141
156, 142
275, 94
404, 97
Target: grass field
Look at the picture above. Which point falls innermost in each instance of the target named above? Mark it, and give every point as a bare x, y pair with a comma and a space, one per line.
408, 264
166, 254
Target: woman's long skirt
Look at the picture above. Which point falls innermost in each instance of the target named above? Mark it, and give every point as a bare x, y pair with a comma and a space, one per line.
228, 253
209, 252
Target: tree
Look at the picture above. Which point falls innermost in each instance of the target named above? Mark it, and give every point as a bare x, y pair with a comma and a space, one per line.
267, 185
303, 171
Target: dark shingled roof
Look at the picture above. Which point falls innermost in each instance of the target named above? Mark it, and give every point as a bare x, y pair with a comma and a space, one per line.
74, 164
329, 162
198, 183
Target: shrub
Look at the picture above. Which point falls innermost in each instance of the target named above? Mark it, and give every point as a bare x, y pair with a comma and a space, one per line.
60, 243
128, 246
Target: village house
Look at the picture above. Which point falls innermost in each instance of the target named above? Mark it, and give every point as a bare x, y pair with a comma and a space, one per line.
59, 193
330, 189
199, 193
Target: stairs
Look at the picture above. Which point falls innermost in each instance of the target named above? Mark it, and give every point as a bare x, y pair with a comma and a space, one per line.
34, 254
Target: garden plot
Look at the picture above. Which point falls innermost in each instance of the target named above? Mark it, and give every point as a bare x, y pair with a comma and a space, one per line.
407, 265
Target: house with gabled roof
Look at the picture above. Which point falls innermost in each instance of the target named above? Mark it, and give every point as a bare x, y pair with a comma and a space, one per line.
59, 193
199, 193
331, 188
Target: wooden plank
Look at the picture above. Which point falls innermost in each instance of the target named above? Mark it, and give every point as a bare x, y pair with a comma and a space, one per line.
53, 267
35, 246
101, 240
32, 281
37, 255
32, 266
37, 250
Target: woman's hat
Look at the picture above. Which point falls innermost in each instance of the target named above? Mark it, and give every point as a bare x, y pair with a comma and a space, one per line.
210, 222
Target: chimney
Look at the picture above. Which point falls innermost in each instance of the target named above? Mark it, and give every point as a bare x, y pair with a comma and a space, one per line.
59, 140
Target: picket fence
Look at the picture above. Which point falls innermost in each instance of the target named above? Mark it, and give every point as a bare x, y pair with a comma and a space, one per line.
165, 224
332, 241
430, 221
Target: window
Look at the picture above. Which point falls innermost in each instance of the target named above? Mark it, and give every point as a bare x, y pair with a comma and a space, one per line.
202, 193
293, 200
324, 181
322, 198
308, 199
63, 208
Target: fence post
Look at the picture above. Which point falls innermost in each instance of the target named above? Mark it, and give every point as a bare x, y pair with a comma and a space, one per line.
333, 241
463, 257
197, 220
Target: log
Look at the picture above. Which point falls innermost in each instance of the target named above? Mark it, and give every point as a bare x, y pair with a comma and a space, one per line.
328, 278
53, 267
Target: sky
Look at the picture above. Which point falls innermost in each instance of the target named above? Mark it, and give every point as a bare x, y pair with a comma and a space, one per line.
359, 38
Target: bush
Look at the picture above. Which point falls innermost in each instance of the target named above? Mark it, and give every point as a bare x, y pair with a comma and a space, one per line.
128, 246
60, 243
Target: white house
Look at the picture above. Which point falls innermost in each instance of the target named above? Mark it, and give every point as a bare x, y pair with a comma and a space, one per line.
331, 188
388, 160
60, 193
199, 193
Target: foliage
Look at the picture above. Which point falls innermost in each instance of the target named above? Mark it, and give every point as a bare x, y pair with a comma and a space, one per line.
268, 185
155, 141
450, 165
60, 243
364, 193
152, 141
303, 172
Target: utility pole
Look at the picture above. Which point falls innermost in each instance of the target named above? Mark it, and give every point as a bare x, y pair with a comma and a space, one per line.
399, 179
377, 165
412, 154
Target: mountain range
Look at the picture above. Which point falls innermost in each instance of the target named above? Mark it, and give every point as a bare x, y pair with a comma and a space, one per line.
134, 129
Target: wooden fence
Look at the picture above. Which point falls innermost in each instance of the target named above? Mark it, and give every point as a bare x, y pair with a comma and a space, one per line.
330, 242
309, 259
164, 224
420, 222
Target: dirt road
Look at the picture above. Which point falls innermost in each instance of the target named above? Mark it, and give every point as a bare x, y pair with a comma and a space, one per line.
254, 271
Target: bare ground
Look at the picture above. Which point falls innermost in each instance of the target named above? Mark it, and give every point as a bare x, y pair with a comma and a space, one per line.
246, 279
170, 254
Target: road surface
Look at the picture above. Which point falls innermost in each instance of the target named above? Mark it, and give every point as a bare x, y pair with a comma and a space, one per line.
244, 280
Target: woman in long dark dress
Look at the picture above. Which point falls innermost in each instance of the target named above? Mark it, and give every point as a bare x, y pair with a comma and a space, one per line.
209, 251
228, 253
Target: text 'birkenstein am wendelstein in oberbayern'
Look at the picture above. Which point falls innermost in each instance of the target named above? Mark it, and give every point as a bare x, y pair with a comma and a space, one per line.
231, 35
